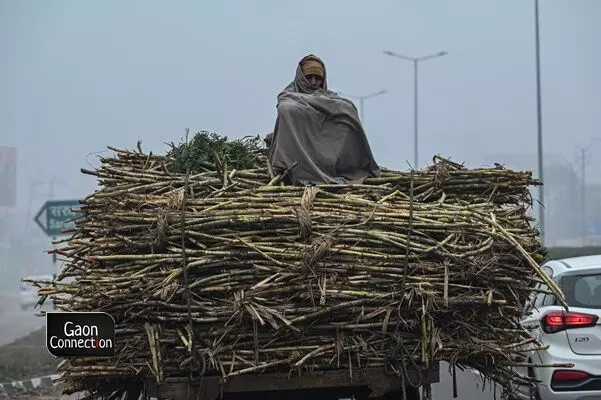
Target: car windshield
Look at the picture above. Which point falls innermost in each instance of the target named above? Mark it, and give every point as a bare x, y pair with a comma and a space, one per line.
583, 290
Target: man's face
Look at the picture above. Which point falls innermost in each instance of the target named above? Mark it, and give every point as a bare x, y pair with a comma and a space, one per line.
315, 81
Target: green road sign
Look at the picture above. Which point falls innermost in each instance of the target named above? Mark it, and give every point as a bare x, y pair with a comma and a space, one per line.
56, 215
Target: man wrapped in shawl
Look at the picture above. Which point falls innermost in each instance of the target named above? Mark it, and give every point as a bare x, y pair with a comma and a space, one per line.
319, 131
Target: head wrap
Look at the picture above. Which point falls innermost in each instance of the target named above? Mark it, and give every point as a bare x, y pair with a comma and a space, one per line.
312, 66
300, 84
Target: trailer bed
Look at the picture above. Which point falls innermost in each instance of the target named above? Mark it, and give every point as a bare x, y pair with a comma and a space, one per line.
375, 380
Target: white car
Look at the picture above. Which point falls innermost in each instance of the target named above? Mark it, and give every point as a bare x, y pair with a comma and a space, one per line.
572, 337
29, 293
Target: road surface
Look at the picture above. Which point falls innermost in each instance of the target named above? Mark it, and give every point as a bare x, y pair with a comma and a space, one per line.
469, 386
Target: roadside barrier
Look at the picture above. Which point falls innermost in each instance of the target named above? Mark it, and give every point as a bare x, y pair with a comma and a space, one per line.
31, 384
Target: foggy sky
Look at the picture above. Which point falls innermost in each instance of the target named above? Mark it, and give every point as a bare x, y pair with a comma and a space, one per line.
76, 76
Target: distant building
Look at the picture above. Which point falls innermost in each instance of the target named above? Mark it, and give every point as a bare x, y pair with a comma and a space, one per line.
519, 161
563, 211
8, 177
529, 161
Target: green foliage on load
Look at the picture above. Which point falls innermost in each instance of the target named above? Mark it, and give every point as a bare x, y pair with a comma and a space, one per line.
555, 253
210, 150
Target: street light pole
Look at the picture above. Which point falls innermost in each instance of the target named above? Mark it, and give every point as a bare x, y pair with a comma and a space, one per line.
539, 123
415, 61
362, 99
415, 117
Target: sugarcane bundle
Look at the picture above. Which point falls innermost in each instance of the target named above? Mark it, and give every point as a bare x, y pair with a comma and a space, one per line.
231, 267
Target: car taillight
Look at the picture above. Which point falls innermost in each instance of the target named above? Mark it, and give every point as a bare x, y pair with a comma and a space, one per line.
558, 321
567, 375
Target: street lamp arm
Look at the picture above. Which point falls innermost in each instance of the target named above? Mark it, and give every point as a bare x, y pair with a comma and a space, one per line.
369, 96
435, 55
416, 59
350, 96
364, 97
401, 56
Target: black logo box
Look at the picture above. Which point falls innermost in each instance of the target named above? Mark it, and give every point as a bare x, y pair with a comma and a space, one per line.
80, 334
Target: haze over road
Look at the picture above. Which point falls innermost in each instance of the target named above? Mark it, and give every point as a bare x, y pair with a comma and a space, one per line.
15, 323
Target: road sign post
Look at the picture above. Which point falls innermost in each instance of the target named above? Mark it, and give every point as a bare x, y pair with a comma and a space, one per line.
56, 215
